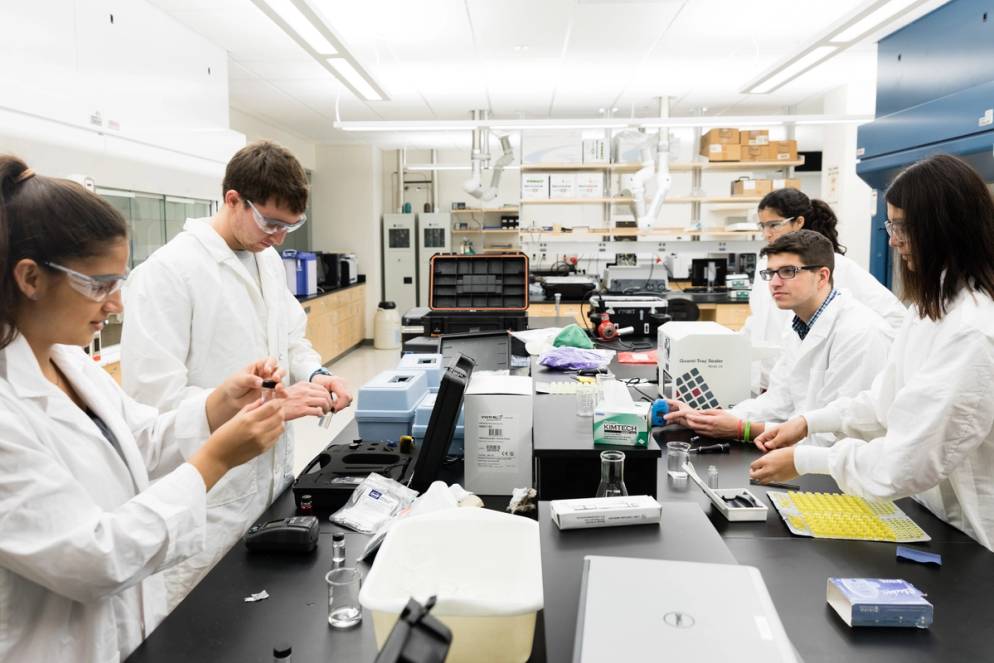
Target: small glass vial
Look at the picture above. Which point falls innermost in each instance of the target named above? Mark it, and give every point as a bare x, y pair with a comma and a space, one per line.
306, 506
337, 550
712, 477
612, 475
268, 390
283, 653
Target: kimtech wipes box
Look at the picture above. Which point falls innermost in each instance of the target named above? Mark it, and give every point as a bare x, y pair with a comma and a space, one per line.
708, 364
498, 428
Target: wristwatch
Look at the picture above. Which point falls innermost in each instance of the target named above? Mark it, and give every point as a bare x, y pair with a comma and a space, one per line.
320, 371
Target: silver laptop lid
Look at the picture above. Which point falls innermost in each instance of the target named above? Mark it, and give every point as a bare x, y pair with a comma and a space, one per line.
636, 610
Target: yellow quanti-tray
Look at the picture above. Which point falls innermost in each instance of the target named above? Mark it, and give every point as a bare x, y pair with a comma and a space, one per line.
836, 516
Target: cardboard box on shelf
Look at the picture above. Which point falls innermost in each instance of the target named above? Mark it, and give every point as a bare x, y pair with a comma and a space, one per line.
747, 187
562, 185
534, 186
718, 137
784, 150
757, 153
719, 152
595, 150
788, 183
754, 137
589, 185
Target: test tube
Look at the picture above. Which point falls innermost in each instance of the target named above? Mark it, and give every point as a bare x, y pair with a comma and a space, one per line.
268, 390
712, 478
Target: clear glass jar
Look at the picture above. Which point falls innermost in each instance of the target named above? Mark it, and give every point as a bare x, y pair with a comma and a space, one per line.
612, 474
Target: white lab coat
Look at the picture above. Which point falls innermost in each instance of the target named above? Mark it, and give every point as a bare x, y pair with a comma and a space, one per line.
840, 356
766, 321
926, 425
194, 316
81, 530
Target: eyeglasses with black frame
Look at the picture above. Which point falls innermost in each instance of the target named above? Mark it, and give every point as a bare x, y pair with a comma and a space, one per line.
786, 272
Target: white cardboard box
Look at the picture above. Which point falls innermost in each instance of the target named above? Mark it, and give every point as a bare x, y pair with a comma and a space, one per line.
562, 185
498, 424
595, 151
534, 186
589, 185
605, 512
707, 363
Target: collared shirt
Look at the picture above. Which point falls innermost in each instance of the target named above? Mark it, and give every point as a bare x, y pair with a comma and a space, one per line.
802, 328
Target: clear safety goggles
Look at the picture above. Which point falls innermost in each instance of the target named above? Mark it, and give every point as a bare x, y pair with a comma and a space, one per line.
98, 288
774, 225
272, 226
896, 229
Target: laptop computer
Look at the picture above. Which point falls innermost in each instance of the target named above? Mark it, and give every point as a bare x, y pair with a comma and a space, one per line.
642, 610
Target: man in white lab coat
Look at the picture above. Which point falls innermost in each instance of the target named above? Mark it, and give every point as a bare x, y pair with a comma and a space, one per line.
784, 211
834, 345
210, 301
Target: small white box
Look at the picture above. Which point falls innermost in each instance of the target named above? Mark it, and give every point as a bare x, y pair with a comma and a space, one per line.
589, 185
562, 186
498, 425
605, 512
534, 186
707, 363
595, 151
538, 147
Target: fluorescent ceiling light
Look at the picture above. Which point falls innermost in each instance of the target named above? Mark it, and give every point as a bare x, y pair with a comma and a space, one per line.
872, 20
301, 25
354, 78
792, 70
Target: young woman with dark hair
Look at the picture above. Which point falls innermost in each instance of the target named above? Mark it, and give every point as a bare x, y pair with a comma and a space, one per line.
784, 211
926, 426
83, 530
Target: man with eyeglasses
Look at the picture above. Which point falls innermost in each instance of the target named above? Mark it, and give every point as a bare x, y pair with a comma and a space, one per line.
834, 347
212, 300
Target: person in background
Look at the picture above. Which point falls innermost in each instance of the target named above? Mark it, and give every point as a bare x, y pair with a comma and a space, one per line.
210, 300
925, 427
783, 211
835, 345
83, 531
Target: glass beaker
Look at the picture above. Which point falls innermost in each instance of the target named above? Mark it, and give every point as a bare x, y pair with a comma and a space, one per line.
612, 475
677, 454
586, 399
344, 610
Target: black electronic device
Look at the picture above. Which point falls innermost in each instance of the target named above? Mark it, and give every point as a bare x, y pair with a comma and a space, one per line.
296, 534
642, 313
438, 323
332, 476
700, 268
329, 270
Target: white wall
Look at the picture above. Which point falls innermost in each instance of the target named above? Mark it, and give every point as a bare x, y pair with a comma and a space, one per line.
140, 103
256, 128
348, 205
850, 196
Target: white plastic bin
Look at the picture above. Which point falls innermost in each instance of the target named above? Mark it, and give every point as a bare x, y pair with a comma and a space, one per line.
485, 568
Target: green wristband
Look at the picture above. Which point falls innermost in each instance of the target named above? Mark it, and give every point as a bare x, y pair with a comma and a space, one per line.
746, 431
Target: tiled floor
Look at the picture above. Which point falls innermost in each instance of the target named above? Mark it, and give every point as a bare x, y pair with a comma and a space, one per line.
357, 367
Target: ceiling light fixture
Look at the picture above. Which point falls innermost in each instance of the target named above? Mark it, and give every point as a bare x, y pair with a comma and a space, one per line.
874, 19
837, 39
300, 26
305, 26
362, 85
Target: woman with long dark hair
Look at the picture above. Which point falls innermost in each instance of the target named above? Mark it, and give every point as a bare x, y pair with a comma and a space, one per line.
784, 211
83, 529
926, 425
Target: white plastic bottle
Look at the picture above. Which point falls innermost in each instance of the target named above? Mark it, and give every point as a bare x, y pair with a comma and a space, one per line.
386, 327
